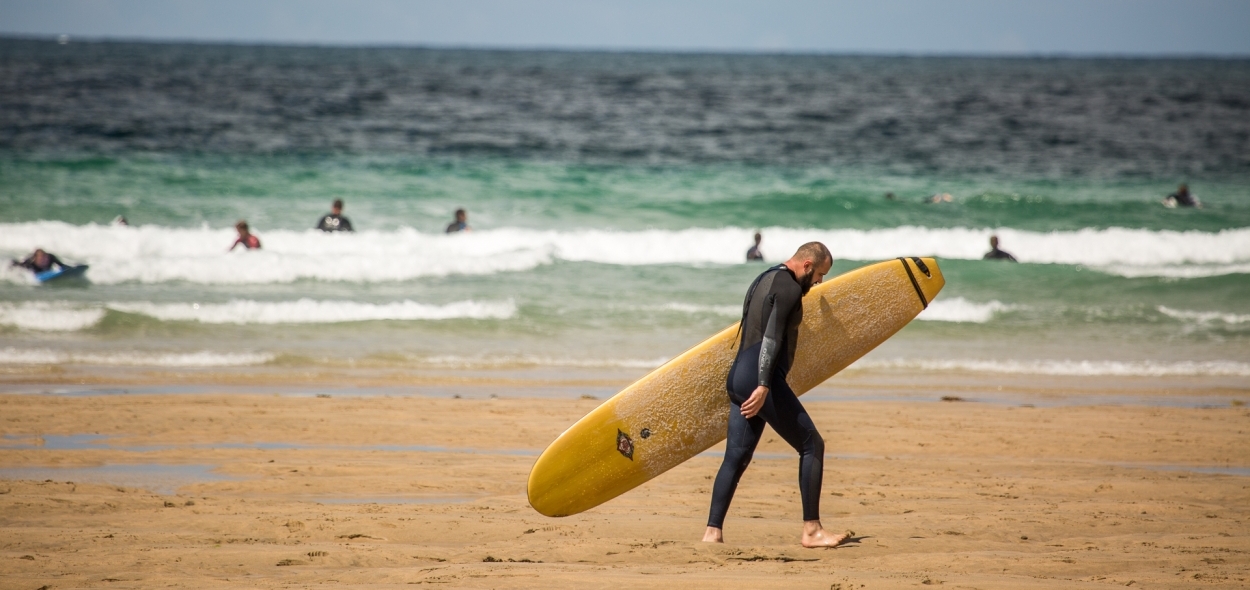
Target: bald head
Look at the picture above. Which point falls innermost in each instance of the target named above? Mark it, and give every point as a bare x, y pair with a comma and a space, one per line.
816, 252
810, 263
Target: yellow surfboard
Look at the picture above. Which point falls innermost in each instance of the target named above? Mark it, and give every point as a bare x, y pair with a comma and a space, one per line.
681, 409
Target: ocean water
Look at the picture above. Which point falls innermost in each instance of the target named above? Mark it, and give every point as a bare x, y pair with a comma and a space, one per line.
612, 198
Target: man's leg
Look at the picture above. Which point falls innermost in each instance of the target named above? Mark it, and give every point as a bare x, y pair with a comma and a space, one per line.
791, 421
740, 445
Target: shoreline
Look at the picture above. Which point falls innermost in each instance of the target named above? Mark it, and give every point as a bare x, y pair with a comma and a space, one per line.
561, 383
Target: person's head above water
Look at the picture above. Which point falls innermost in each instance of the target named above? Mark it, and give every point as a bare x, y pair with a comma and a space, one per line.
810, 263
994, 242
758, 238
461, 216
337, 207
241, 226
1183, 189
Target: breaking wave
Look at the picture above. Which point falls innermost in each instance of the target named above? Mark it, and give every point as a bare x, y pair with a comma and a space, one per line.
154, 254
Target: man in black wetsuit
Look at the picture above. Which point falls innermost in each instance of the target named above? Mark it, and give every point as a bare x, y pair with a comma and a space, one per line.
759, 394
334, 220
40, 261
995, 253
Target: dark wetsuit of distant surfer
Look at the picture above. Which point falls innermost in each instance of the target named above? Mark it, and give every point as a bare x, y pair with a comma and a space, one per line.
759, 394
997, 254
754, 253
334, 220
40, 261
1182, 198
460, 224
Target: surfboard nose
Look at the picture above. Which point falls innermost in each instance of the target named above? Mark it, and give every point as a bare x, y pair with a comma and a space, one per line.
932, 281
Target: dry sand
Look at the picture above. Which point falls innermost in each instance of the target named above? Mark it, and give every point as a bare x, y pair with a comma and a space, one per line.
389, 491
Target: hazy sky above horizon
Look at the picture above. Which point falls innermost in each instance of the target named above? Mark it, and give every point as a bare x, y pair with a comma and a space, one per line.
1006, 27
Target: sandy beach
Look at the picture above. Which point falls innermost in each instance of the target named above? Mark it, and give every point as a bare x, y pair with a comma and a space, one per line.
1023, 490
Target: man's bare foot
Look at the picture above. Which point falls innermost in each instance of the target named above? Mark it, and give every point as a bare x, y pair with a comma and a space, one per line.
713, 535
815, 535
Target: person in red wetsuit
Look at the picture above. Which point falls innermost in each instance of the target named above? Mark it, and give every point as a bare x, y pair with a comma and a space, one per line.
246, 238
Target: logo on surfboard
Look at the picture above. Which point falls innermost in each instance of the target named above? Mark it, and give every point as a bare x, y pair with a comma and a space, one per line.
624, 444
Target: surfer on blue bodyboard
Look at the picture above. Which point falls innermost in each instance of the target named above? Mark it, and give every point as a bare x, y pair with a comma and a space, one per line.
41, 263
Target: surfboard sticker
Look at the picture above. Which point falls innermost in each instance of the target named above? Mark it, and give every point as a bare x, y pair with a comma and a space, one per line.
624, 444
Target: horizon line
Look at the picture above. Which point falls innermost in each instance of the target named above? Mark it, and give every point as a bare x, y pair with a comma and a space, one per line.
153, 40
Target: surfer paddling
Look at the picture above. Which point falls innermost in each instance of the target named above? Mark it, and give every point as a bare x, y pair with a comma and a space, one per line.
759, 394
40, 261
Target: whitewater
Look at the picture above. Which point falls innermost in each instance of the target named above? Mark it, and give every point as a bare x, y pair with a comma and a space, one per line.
156, 254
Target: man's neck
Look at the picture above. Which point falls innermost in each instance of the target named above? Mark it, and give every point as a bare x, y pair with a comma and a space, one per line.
794, 266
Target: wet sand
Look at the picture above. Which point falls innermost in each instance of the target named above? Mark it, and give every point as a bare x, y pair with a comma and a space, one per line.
384, 491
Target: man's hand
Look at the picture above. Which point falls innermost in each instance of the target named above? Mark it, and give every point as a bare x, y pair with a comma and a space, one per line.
752, 406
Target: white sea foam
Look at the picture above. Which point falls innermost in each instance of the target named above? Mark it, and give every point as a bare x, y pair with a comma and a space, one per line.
48, 316
1068, 367
1204, 316
958, 309
308, 311
724, 310
68, 316
1171, 271
43, 356
152, 254
461, 362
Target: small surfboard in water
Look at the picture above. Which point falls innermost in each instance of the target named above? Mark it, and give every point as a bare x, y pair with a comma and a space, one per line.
681, 409
66, 272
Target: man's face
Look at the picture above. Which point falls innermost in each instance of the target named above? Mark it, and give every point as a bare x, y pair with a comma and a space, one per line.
336, 210
41, 257
813, 274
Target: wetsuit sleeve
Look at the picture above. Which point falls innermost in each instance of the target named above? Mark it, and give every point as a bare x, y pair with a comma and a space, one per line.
774, 331
53, 260
345, 224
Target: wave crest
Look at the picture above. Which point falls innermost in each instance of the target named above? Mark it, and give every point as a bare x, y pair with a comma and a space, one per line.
153, 254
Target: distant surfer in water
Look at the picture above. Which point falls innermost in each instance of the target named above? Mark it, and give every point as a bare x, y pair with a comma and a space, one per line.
996, 254
334, 220
759, 394
460, 224
40, 261
1182, 198
246, 238
754, 253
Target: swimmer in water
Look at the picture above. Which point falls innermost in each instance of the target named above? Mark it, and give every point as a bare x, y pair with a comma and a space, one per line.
246, 238
334, 220
460, 224
40, 261
754, 253
1182, 198
759, 395
995, 253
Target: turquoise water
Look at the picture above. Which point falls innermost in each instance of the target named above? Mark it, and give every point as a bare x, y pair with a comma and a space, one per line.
578, 265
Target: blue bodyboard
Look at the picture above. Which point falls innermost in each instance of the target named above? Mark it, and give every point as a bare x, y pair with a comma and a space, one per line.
67, 272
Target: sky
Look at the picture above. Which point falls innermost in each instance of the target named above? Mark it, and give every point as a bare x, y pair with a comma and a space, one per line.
919, 27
